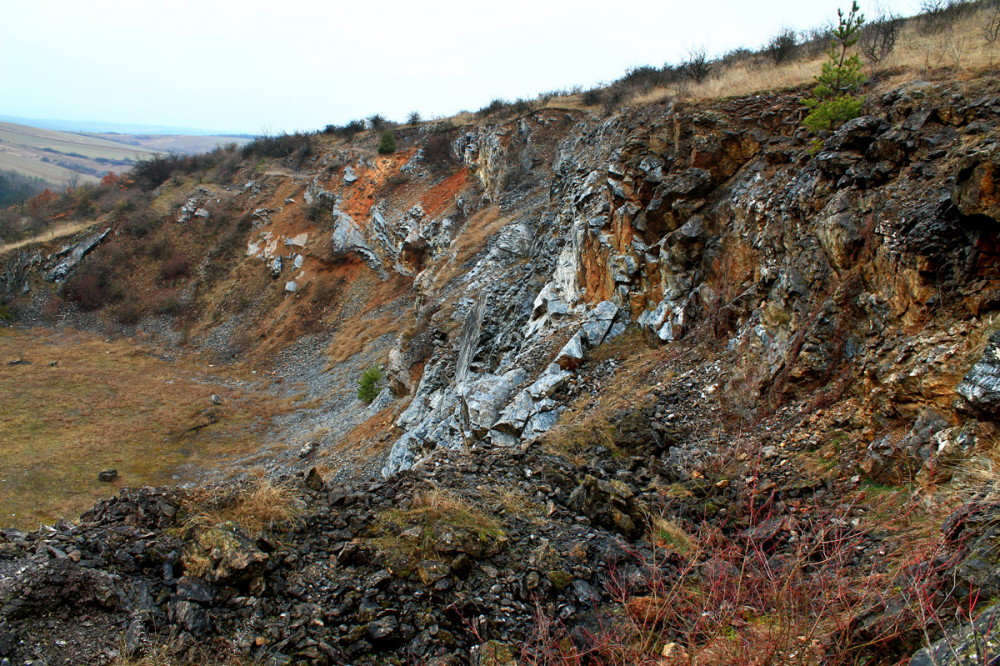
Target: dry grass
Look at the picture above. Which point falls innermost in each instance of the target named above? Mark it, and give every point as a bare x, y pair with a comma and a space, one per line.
83, 404
220, 654
356, 333
593, 421
49, 235
959, 48
670, 536
512, 502
258, 505
377, 309
469, 242
411, 532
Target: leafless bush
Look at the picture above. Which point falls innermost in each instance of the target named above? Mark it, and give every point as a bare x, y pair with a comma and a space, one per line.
815, 41
706, 597
991, 31
177, 266
593, 97
697, 66
92, 286
437, 151
738, 56
781, 48
938, 15
501, 108
377, 122
878, 37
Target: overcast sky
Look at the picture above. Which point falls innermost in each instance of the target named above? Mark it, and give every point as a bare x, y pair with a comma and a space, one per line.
283, 65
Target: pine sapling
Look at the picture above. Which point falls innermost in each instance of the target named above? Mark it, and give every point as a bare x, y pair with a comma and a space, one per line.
835, 98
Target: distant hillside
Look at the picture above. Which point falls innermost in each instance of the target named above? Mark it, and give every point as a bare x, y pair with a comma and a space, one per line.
101, 127
185, 144
61, 158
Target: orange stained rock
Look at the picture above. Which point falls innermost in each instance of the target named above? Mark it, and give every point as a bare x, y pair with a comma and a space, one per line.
441, 196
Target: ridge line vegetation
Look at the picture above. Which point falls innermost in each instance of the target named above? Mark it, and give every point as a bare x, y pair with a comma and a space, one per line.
947, 35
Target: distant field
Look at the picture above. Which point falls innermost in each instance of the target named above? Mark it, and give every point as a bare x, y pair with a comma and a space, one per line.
15, 160
66, 157
172, 143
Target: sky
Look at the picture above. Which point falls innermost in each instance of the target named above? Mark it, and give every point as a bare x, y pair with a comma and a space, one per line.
258, 67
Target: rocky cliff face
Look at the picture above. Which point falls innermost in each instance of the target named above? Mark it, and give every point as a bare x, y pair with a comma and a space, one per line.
717, 220
824, 302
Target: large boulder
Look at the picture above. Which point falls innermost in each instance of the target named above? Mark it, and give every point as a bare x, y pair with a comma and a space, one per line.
608, 503
224, 554
975, 191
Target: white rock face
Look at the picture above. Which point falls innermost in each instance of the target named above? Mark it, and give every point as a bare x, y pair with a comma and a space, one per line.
493, 407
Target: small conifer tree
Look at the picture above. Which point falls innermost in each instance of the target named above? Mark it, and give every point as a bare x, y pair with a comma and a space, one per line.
388, 143
368, 385
835, 98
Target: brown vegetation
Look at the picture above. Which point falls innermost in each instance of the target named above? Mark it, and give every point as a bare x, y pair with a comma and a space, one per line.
733, 592
599, 420
257, 504
108, 404
412, 532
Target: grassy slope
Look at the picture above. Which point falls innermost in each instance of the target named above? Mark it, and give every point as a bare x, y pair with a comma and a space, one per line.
28, 162
107, 404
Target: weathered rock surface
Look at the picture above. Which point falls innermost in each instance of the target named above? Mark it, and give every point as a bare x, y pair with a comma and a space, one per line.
981, 386
811, 323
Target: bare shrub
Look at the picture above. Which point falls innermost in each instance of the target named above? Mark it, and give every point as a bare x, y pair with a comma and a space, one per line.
782, 47
177, 266
129, 312
697, 66
494, 108
377, 123
91, 286
614, 98
991, 31
878, 36
501, 108
293, 147
150, 173
593, 97
166, 303
160, 247
938, 15
229, 164
734, 594
814, 42
397, 180
437, 152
